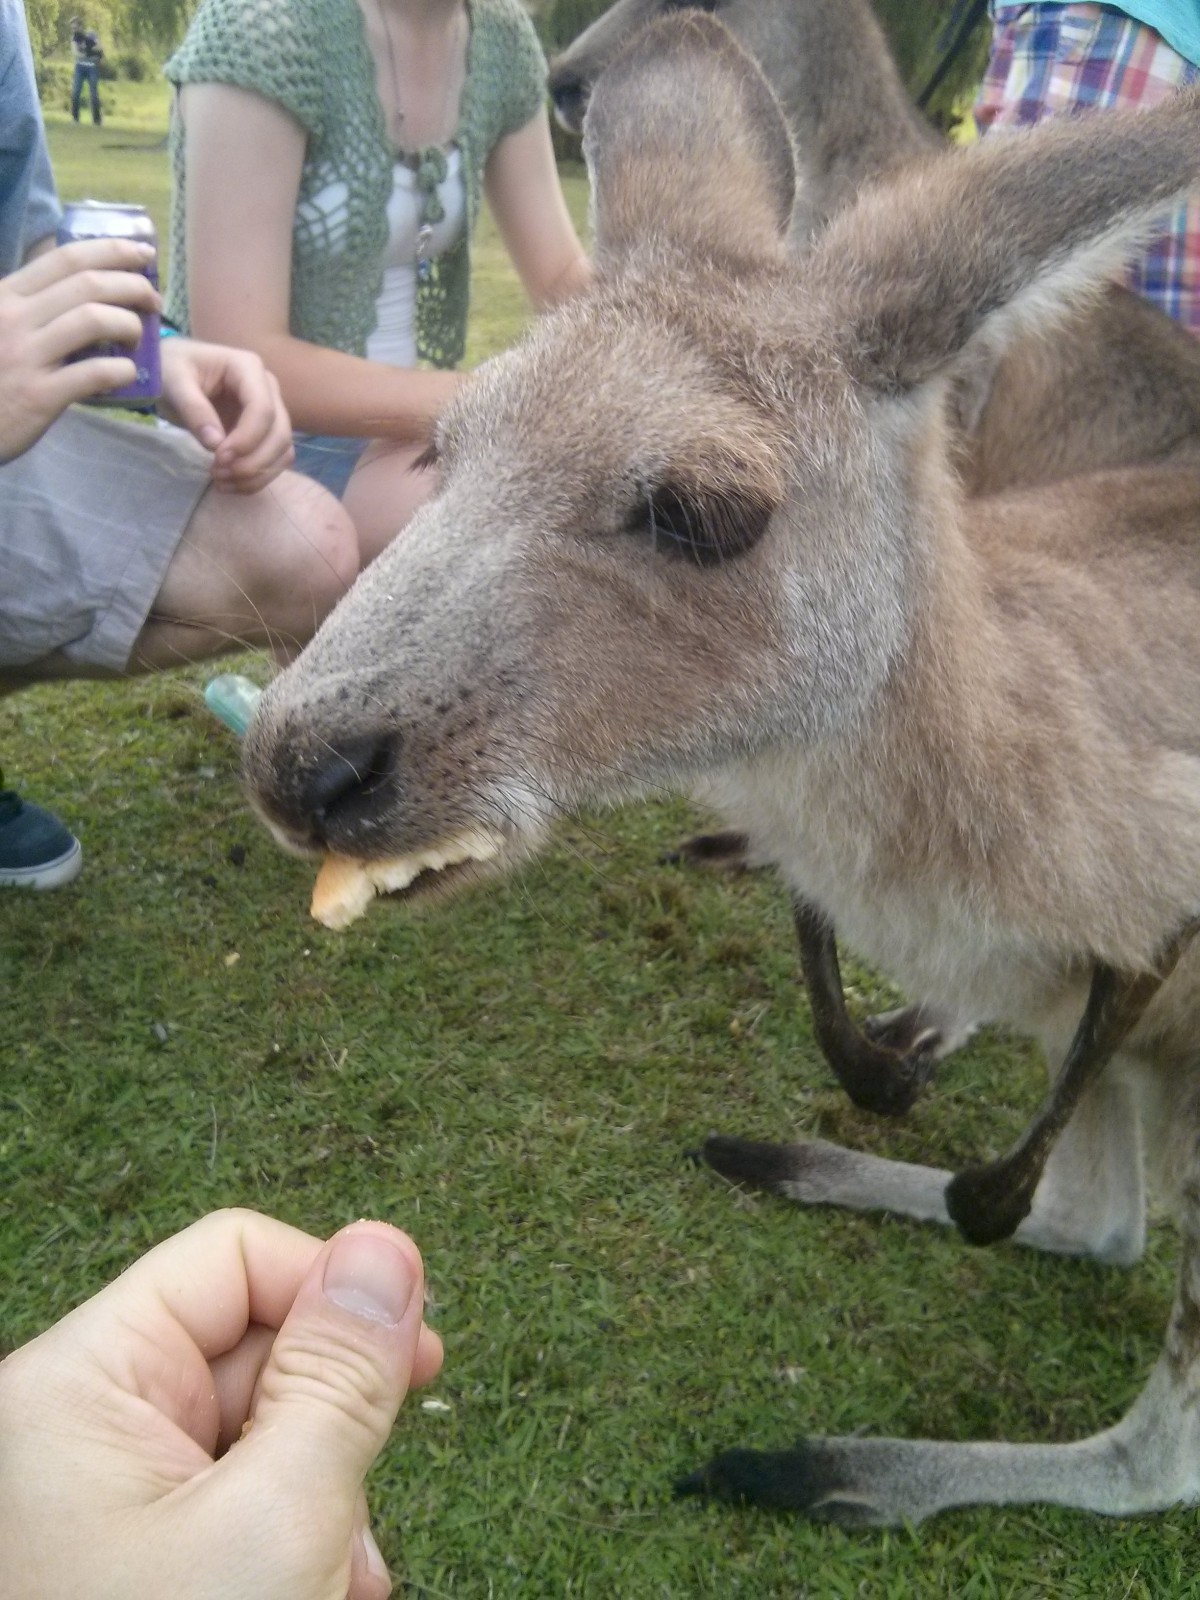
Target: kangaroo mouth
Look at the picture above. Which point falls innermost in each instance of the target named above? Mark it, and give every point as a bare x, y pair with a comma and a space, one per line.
345, 887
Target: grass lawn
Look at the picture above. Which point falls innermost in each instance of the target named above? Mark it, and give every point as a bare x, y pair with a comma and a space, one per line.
515, 1079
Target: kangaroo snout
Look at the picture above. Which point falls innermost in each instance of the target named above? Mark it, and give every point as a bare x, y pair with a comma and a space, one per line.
321, 788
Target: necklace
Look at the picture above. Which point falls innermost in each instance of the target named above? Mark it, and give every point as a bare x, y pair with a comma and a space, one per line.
427, 163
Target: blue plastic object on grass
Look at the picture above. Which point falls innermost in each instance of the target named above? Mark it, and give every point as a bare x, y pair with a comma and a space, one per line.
233, 698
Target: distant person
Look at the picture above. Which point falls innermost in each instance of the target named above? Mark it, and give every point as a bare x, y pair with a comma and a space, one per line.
126, 548
1051, 59
88, 56
363, 139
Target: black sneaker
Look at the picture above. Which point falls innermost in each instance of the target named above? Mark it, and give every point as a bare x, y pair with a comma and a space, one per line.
36, 851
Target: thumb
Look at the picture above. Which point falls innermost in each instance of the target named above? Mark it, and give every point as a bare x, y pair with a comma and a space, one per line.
341, 1363
192, 409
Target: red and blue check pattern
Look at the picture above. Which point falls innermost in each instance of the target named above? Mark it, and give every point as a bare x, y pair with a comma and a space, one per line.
1050, 60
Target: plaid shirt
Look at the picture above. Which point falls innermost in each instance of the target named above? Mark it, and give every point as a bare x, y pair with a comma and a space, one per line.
1050, 59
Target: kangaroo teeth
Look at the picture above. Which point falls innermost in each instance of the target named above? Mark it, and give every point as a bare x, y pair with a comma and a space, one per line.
345, 887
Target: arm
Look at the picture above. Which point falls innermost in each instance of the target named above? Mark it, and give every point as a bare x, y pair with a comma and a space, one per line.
29, 210
526, 199
239, 247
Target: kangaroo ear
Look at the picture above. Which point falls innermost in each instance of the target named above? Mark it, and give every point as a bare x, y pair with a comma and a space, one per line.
684, 139
1002, 238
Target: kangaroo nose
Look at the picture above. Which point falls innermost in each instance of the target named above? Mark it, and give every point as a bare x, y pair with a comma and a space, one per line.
344, 779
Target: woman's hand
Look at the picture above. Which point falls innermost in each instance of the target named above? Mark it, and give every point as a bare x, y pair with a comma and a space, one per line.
229, 401
64, 300
203, 1426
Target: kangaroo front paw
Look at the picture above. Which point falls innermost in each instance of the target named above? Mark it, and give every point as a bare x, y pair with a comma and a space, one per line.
880, 1080
729, 851
918, 1028
989, 1204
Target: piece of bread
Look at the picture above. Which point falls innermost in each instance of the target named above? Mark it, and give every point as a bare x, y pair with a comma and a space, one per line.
342, 892
345, 887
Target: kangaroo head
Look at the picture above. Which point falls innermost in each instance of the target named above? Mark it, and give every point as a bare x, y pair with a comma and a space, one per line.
686, 522
828, 62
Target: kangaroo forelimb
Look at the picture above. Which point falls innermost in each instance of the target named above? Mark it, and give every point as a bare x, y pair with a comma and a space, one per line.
727, 849
989, 1203
875, 1077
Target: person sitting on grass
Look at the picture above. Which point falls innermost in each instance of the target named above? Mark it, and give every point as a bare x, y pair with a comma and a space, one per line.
126, 548
342, 252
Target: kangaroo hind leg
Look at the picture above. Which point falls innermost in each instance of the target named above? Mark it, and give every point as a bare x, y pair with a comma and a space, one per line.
1148, 1461
1090, 1200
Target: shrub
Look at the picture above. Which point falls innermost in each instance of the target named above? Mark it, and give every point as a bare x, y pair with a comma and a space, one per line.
135, 65
54, 82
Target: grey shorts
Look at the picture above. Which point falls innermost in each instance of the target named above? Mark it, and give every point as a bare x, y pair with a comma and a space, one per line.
90, 518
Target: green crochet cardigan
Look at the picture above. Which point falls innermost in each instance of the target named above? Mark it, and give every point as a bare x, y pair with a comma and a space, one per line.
312, 57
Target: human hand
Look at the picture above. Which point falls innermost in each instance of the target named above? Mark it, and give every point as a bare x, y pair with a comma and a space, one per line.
229, 401
79, 294
130, 1469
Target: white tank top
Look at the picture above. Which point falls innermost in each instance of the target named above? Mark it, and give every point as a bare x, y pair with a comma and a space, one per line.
394, 340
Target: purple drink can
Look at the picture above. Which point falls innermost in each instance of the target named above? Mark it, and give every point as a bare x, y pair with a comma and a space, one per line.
104, 219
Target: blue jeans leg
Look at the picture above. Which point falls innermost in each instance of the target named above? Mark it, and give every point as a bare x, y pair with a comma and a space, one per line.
86, 72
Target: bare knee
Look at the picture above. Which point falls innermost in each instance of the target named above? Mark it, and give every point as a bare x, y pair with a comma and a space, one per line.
264, 568
314, 538
390, 483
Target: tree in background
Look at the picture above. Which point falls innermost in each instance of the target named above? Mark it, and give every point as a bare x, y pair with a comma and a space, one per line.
155, 24
941, 49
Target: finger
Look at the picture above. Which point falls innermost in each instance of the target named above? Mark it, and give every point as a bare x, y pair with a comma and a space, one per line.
84, 327
238, 469
241, 478
369, 1576
262, 430
84, 255
84, 380
230, 1269
429, 1358
193, 1299
131, 291
194, 411
235, 1380
237, 1376
340, 1366
245, 477
258, 445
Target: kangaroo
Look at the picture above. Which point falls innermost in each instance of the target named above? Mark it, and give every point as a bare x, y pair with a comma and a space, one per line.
701, 529
828, 62
1117, 385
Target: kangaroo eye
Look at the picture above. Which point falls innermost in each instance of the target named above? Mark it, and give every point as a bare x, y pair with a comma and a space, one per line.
706, 527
